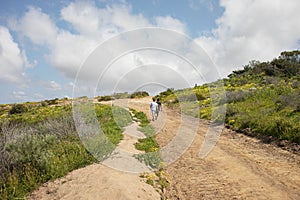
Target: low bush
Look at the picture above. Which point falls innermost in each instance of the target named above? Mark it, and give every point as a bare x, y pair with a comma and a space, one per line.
105, 98
18, 109
147, 144
139, 94
151, 159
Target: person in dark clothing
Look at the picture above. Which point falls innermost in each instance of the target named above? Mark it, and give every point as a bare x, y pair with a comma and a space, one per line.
159, 107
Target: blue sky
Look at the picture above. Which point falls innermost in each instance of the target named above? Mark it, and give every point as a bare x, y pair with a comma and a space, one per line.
44, 43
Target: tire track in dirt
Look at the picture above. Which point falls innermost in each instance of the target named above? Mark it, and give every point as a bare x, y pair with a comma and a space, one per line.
239, 167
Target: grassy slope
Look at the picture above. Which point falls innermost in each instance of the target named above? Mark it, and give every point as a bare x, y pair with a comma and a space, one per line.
40, 143
262, 99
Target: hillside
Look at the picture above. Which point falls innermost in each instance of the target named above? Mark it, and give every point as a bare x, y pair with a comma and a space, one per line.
262, 99
39, 141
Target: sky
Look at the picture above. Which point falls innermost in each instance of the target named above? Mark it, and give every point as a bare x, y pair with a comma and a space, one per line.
61, 48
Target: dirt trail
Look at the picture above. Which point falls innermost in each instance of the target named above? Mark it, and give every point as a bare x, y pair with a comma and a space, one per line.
117, 177
239, 167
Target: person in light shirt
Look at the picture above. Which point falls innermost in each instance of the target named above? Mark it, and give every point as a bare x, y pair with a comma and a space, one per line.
154, 109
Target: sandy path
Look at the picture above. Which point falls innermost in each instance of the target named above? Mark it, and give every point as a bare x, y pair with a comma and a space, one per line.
115, 178
239, 167
96, 182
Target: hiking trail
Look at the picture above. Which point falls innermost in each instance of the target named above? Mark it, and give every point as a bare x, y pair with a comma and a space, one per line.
238, 167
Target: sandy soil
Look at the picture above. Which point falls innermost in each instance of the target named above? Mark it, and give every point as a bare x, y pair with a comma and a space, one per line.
96, 182
238, 167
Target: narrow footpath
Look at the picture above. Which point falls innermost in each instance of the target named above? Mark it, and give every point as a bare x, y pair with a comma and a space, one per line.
115, 178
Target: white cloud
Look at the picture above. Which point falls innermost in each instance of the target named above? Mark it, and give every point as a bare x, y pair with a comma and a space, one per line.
252, 30
92, 25
249, 29
91, 21
69, 51
84, 17
195, 4
171, 23
11, 58
19, 95
123, 18
37, 26
162, 50
52, 85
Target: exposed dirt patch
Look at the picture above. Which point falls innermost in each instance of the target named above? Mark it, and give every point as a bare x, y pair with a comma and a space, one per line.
96, 182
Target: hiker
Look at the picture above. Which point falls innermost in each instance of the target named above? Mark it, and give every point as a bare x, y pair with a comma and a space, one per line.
159, 107
154, 109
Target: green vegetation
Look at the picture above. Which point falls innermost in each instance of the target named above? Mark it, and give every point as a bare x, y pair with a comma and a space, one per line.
151, 157
124, 95
50, 102
139, 94
262, 99
40, 143
35, 114
144, 123
112, 120
147, 144
105, 98
18, 109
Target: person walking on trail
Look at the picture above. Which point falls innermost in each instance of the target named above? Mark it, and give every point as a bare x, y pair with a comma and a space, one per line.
154, 109
159, 108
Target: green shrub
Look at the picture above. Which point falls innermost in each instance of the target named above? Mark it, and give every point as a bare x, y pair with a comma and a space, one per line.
112, 131
121, 95
121, 116
147, 144
105, 98
145, 126
141, 117
151, 159
147, 129
52, 101
139, 94
18, 109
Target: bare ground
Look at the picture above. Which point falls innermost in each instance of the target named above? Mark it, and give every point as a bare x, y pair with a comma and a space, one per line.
239, 167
